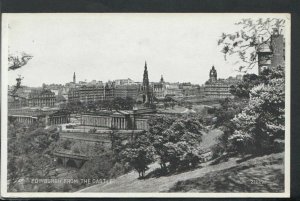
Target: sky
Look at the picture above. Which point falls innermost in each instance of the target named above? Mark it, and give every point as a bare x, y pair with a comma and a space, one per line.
181, 47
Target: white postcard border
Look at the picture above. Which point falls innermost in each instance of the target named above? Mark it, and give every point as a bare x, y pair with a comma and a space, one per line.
4, 88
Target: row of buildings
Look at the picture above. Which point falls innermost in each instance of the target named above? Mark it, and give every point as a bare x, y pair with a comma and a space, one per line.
270, 53
51, 96
124, 88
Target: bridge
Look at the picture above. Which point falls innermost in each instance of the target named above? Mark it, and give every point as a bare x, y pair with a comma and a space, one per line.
103, 137
70, 159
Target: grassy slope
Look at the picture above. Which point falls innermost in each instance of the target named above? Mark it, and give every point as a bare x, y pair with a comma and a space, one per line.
224, 177
263, 174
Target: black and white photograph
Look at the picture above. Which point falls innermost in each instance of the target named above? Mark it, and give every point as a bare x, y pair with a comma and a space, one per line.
145, 105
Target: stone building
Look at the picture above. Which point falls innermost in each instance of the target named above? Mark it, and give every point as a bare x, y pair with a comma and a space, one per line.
58, 117
48, 116
91, 93
120, 120
219, 88
41, 98
124, 91
173, 89
97, 92
189, 89
86, 94
159, 89
73, 95
272, 53
163, 89
109, 92
124, 82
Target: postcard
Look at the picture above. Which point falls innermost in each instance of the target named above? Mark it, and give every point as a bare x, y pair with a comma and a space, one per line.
145, 105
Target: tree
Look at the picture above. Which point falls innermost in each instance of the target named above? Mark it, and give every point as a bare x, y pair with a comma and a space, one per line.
139, 155
246, 42
98, 167
228, 109
29, 153
242, 89
157, 125
260, 126
176, 140
123, 103
257, 127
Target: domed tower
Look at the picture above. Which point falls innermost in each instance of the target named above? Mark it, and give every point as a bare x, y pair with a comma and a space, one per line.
213, 74
162, 79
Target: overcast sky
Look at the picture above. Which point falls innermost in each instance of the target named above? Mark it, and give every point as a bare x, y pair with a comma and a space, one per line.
181, 47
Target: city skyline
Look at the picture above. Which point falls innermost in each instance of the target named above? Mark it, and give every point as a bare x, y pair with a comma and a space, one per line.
166, 42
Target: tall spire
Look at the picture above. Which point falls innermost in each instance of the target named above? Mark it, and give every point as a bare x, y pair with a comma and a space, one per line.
145, 87
74, 78
145, 76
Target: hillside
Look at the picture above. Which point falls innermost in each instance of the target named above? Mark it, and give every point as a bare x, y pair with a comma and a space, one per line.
230, 176
263, 174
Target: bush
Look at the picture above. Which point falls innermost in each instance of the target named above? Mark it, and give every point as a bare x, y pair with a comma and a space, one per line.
117, 170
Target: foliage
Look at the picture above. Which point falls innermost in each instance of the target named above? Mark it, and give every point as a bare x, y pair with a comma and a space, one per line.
119, 169
98, 167
246, 42
73, 107
123, 104
228, 109
18, 59
29, 153
242, 89
259, 128
65, 144
117, 103
139, 155
176, 140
